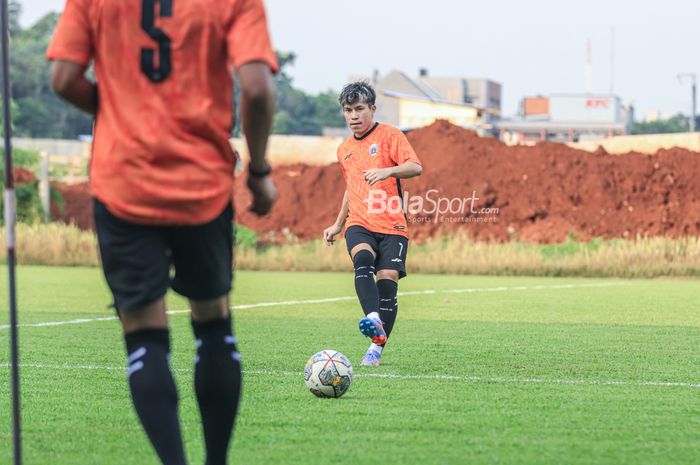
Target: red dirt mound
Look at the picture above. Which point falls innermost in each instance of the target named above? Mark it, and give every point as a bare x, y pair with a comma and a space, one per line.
492, 191
22, 176
77, 206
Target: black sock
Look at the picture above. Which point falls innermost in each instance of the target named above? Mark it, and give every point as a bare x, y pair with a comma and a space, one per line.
388, 304
217, 383
153, 392
365, 286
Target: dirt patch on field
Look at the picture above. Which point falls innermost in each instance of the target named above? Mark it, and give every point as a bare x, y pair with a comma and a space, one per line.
539, 194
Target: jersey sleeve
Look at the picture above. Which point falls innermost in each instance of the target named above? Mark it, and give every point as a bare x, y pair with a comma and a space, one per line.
248, 37
72, 40
402, 151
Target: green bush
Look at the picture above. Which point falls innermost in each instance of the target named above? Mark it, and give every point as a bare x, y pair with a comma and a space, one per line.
244, 238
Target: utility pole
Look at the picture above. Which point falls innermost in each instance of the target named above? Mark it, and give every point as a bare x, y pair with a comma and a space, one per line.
693, 85
10, 215
612, 60
589, 67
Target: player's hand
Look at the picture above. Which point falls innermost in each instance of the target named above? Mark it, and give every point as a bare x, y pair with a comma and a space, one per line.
376, 174
264, 194
330, 232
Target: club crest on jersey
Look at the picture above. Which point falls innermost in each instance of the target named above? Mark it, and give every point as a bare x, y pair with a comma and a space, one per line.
373, 149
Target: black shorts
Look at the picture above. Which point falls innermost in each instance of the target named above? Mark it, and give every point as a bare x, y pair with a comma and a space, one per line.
390, 248
137, 259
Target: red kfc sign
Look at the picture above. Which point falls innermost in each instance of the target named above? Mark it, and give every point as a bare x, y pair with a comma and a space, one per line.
597, 103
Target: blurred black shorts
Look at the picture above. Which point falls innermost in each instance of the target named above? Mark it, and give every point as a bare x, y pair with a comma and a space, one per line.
138, 259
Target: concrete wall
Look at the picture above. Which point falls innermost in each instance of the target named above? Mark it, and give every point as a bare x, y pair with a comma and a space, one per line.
282, 150
286, 150
647, 143
54, 147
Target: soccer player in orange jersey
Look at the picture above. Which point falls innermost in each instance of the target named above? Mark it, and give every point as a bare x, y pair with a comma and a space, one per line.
373, 161
161, 175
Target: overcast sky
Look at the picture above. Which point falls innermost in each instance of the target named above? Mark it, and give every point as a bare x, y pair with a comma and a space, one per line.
531, 47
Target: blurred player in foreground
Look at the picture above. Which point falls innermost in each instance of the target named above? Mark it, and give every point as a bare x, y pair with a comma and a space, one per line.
161, 176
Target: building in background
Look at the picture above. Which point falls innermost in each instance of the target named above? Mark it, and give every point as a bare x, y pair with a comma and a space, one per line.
568, 118
411, 102
652, 116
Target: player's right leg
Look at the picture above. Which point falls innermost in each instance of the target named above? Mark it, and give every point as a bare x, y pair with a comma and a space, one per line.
135, 264
363, 257
366, 287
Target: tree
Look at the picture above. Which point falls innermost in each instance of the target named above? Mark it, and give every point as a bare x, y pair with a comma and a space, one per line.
299, 113
40, 113
677, 123
14, 12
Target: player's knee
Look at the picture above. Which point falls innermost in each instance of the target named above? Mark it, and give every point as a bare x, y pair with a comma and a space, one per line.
207, 310
364, 263
147, 316
388, 274
359, 248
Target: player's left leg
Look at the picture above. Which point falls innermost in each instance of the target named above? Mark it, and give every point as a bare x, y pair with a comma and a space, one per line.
388, 287
217, 375
391, 266
202, 256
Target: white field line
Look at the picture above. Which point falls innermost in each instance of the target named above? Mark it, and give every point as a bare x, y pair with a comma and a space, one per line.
467, 379
339, 299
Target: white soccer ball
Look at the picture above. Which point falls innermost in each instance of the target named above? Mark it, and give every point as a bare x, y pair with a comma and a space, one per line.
328, 373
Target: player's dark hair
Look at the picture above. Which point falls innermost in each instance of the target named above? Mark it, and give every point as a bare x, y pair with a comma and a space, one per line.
357, 92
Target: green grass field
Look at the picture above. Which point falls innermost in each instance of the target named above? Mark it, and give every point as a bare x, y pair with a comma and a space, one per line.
480, 370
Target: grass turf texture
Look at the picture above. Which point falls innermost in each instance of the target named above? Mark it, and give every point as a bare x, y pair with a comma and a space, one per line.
541, 375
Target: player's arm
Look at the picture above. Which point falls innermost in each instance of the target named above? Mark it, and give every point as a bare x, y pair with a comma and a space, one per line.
336, 228
257, 112
408, 169
69, 82
344, 210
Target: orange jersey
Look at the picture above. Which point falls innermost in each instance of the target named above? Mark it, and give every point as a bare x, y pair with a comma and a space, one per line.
378, 208
161, 152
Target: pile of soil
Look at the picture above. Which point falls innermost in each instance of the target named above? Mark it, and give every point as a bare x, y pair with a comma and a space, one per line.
541, 193
77, 206
22, 176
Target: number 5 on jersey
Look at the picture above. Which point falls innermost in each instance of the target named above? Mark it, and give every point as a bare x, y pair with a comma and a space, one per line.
148, 19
